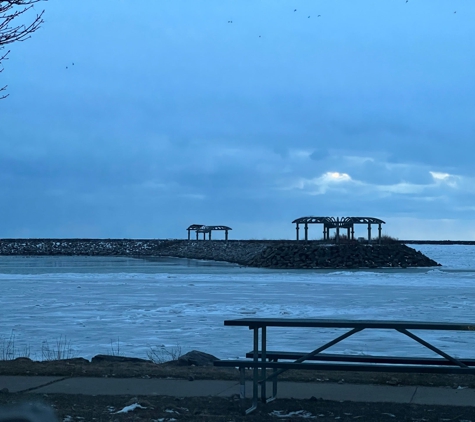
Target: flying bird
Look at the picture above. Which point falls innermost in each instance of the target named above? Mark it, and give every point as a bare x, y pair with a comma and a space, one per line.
295, 10
319, 16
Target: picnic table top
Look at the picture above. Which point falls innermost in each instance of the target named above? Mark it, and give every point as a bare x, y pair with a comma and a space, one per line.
349, 323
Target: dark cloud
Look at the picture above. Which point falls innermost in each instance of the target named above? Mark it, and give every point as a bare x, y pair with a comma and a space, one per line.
319, 154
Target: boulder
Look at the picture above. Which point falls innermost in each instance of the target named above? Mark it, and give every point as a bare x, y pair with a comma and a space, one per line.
196, 358
115, 359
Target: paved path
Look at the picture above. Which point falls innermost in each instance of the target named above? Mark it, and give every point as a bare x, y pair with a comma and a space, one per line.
182, 388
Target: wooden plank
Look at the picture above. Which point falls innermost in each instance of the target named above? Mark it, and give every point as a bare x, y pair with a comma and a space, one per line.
347, 367
396, 360
342, 323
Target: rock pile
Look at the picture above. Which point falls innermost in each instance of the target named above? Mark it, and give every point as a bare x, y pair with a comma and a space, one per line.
237, 251
255, 253
88, 247
347, 256
292, 254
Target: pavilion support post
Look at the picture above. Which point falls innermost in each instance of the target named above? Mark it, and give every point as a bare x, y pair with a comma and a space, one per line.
209, 236
352, 232
324, 232
306, 231
188, 230
196, 234
369, 232
297, 230
348, 233
379, 233
204, 236
337, 230
226, 235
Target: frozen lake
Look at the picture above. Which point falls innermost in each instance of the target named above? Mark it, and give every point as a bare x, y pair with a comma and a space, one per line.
99, 303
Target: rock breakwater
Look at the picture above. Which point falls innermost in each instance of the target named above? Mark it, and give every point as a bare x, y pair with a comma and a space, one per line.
351, 256
295, 255
241, 252
84, 247
255, 253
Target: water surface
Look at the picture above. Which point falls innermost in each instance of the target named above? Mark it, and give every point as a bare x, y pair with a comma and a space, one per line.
101, 303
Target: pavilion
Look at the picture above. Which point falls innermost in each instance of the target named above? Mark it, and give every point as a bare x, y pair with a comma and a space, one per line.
200, 228
338, 224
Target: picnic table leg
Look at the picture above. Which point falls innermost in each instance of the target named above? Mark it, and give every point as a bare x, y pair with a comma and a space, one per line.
255, 372
242, 382
274, 384
263, 361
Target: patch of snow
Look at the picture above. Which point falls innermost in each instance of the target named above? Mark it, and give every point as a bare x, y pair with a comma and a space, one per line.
130, 408
299, 413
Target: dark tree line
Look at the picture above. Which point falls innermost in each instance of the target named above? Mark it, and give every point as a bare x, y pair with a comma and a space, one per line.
13, 15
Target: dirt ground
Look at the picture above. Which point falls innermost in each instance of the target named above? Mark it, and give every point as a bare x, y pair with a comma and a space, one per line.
71, 408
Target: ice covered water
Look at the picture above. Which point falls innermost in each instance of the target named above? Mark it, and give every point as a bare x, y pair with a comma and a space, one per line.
102, 304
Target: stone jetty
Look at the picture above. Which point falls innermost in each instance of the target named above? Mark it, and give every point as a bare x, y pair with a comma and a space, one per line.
255, 253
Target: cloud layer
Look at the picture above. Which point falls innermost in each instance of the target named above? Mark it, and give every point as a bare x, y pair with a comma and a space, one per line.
173, 115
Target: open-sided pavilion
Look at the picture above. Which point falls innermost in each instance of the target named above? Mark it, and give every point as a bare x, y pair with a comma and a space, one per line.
200, 228
338, 224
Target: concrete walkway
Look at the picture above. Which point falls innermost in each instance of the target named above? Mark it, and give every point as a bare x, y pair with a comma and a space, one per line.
182, 388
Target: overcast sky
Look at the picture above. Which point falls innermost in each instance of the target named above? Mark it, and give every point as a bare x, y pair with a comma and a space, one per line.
137, 119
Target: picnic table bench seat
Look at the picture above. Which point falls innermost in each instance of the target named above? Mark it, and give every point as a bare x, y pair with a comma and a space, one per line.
328, 357
369, 367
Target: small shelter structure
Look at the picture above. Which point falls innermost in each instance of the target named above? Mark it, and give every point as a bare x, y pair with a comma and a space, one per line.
337, 223
199, 228
193, 227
